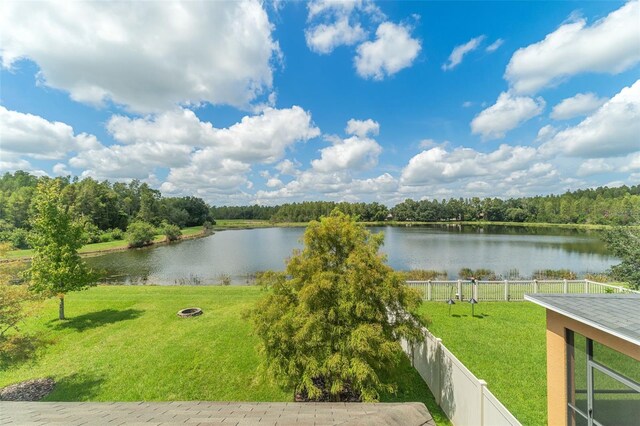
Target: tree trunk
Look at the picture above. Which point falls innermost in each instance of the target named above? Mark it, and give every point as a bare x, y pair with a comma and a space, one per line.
61, 309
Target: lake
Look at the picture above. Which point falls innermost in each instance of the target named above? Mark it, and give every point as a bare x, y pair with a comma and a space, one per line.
241, 253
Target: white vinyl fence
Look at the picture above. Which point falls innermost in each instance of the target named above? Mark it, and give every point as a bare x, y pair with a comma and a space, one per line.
507, 290
464, 398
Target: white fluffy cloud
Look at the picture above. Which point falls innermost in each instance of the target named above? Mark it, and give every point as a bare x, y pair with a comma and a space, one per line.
33, 136
257, 138
580, 104
354, 153
610, 45
393, 50
507, 113
323, 38
145, 55
613, 130
362, 128
437, 165
458, 53
191, 149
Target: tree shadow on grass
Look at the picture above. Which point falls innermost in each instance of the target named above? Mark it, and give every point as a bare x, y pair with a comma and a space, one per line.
76, 387
18, 349
96, 319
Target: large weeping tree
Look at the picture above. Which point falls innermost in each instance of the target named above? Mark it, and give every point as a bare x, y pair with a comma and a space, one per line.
330, 325
56, 267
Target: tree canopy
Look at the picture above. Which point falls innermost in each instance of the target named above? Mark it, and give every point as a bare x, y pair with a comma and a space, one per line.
625, 244
56, 267
332, 321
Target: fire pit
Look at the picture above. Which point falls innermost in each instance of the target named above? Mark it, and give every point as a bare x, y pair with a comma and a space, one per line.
189, 312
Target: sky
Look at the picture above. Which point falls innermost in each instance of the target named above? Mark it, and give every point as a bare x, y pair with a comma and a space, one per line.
275, 102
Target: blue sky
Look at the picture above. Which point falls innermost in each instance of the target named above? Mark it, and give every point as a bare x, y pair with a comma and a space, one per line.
273, 102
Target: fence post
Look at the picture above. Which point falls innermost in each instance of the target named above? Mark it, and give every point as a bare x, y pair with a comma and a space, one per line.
459, 290
506, 290
438, 388
482, 387
586, 286
535, 286
565, 286
429, 290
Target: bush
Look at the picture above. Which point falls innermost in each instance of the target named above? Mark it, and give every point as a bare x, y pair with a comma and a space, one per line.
90, 233
140, 234
478, 274
105, 237
171, 232
329, 328
423, 275
208, 226
19, 239
225, 279
554, 274
117, 234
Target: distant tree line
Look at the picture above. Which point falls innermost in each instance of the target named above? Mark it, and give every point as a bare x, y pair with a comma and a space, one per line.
602, 206
107, 209
104, 209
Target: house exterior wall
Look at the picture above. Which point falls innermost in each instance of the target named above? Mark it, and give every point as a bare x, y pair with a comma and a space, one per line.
557, 325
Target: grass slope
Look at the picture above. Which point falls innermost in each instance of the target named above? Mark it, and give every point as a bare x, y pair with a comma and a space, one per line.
505, 345
105, 247
125, 343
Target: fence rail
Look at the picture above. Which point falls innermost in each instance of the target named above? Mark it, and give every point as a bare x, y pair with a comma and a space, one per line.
508, 290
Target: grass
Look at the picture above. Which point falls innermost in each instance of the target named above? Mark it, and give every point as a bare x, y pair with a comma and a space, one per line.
503, 344
114, 331
104, 247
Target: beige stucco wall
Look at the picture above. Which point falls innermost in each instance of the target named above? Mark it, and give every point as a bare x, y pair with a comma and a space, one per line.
557, 355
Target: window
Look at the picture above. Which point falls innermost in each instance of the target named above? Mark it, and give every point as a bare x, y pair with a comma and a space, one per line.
603, 386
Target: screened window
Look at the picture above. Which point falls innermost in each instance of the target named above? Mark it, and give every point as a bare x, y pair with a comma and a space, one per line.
603, 384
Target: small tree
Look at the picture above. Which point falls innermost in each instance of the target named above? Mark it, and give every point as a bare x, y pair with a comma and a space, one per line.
333, 320
171, 232
13, 310
624, 242
56, 267
140, 234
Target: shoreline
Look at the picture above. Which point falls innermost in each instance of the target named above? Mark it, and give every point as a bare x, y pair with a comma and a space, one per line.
241, 224
123, 247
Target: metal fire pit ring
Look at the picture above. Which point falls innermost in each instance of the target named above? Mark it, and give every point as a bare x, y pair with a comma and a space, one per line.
189, 312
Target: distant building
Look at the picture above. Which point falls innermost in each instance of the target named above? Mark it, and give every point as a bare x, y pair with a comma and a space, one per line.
593, 358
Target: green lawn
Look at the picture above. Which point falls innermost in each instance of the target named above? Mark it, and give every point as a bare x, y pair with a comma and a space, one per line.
505, 345
108, 246
125, 343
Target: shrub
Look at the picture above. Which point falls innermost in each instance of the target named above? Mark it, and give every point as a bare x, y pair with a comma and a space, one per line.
330, 328
208, 226
140, 234
117, 234
105, 237
478, 274
171, 232
225, 279
423, 275
90, 233
554, 274
19, 239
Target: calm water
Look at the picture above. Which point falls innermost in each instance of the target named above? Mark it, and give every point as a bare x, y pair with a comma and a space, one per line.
240, 253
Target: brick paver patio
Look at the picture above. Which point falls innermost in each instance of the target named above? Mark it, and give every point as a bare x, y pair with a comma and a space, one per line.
213, 413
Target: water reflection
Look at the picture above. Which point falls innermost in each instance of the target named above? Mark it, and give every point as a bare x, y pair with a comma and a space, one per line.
241, 253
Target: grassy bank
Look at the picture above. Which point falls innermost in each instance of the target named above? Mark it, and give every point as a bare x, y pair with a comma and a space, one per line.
113, 331
117, 245
503, 344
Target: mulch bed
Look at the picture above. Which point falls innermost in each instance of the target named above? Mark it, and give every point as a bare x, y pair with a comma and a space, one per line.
31, 390
347, 394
